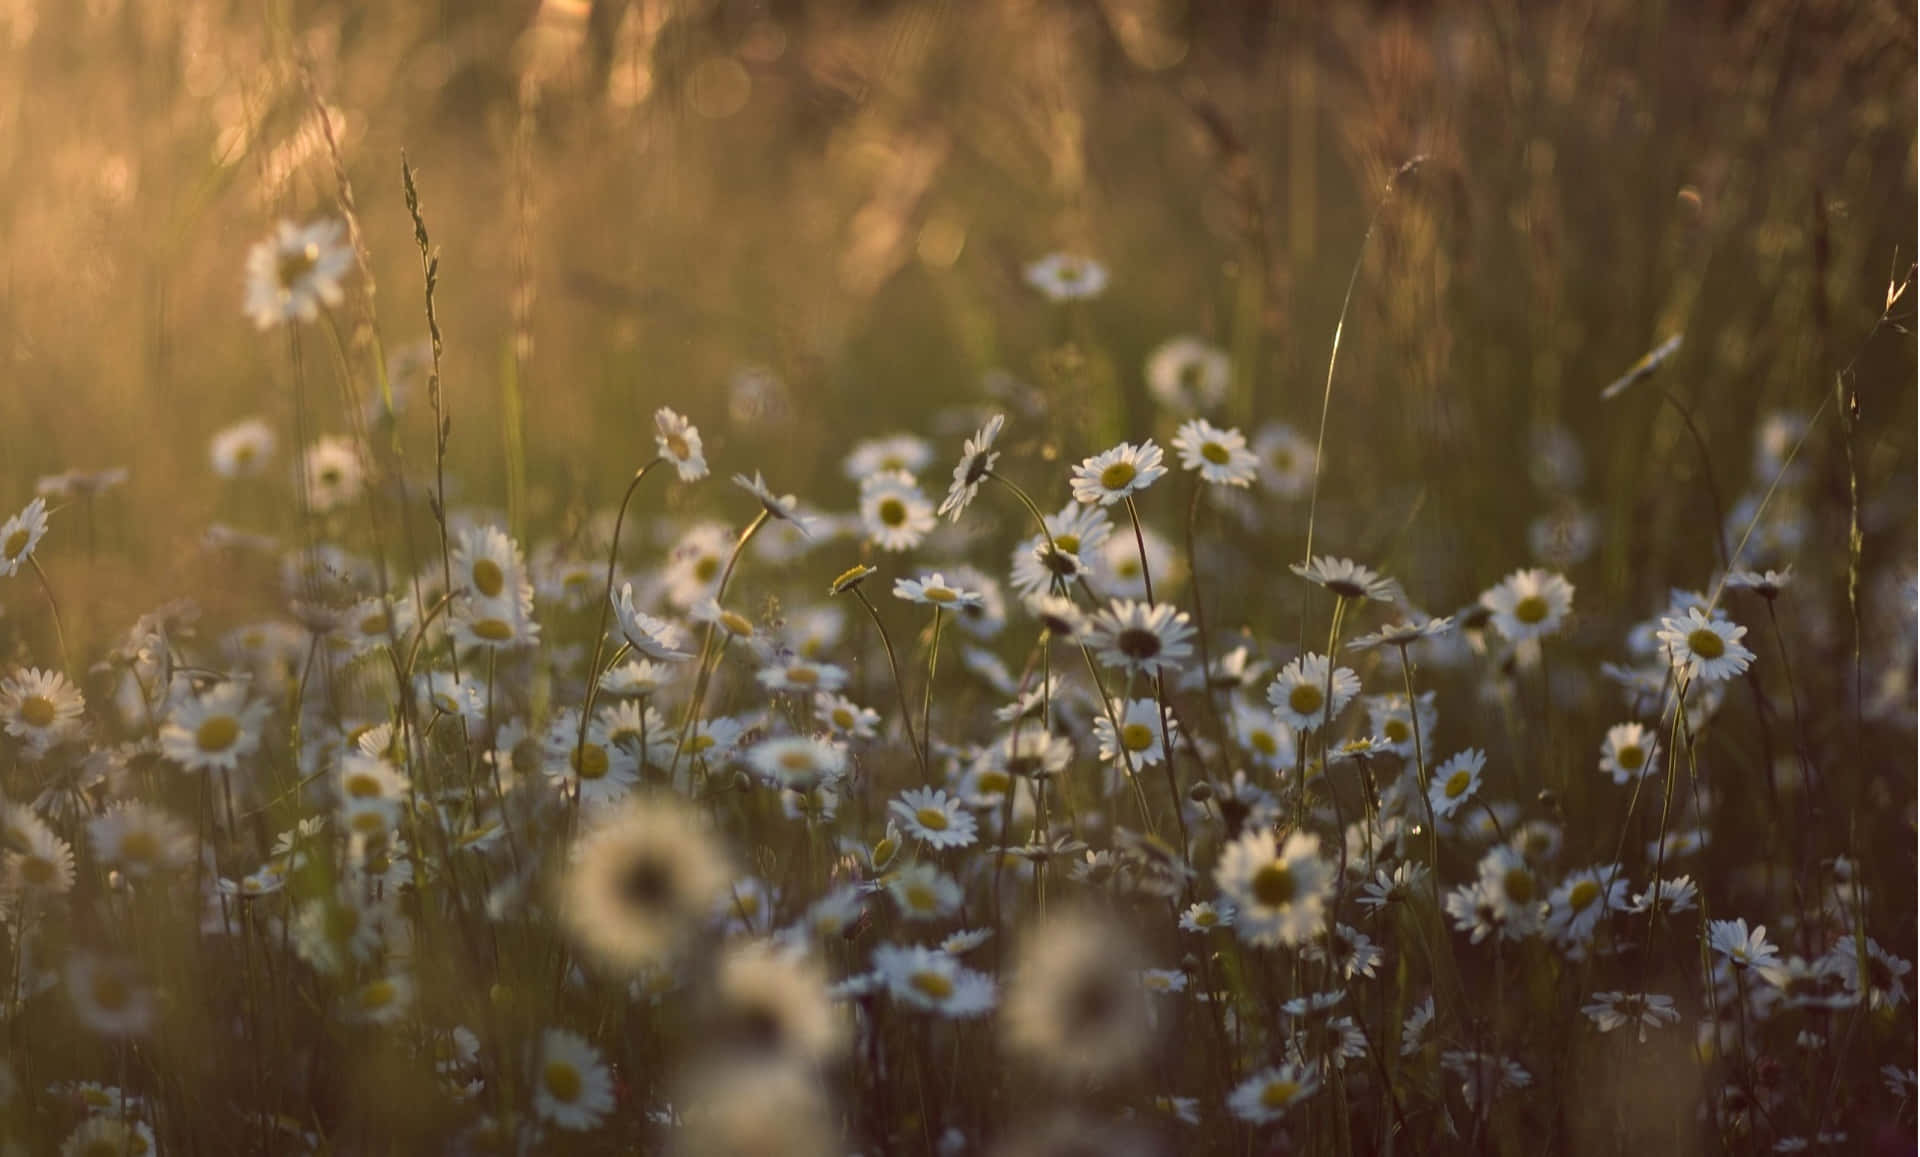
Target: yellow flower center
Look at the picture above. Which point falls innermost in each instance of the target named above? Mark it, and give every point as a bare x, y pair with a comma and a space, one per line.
488, 578
883, 853
933, 819
562, 1081
843, 718
1215, 453
893, 512
1397, 731
1273, 885
922, 899
294, 264
363, 786
1067, 542
994, 782
1117, 475
37, 871
17, 542
37, 711
243, 454
217, 733
139, 846
109, 991
736, 624
493, 630
677, 446
1279, 1094
931, 984
378, 995
1583, 895
1136, 737
374, 624
803, 675
1305, 698
1206, 919
1519, 884
1705, 643
707, 569
590, 762
1264, 743
1532, 609
1630, 757
1458, 783
939, 594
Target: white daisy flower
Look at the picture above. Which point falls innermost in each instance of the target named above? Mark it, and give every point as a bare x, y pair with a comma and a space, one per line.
1269, 741
243, 449
293, 273
1188, 376
935, 818
40, 708
1066, 277
934, 590
1629, 752
1582, 900
1396, 887
1611, 1010
1347, 578
571, 1087
215, 730
656, 639
1138, 734
845, 716
381, 1000
732, 623
21, 536
1511, 890
38, 860
797, 762
140, 840
679, 443
1529, 604
1676, 895
594, 768
924, 892
334, 473
1454, 782
1140, 638
784, 507
1744, 947
893, 511
934, 981
1288, 459
976, 460
801, 675
1707, 650
1111, 475
108, 996
905, 452
695, 563
1279, 893
1221, 456
1206, 915
1269, 1094
1768, 585
1299, 693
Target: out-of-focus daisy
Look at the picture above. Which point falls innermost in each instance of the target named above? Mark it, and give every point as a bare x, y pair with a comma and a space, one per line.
802, 676
934, 818
108, 996
571, 1086
40, 708
1299, 693
1136, 738
1288, 460
1511, 888
1611, 1010
893, 511
844, 716
1529, 604
1346, 578
215, 730
784, 507
934, 590
1675, 895
1350, 951
140, 840
926, 979
1455, 782
976, 460
1279, 893
335, 473
908, 452
1768, 585
1403, 634
110, 1135
1484, 1076
1267, 1095
297, 270
243, 449
679, 443
1112, 475
1629, 752
640, 881
1188, 376
21, 535
1205, 916
1582, 900
1390, 717
37, 860
1067, 277
797, 762
1074, 1008
381, 1000
1708, 650
1139, 638
654, 638
1395, 887
1880, 974
773, 1003
732, 624
924, 892
1221, 456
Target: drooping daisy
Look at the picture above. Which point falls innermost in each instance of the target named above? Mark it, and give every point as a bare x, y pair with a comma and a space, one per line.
1137, 735
640, 881
1707, 650
1188, 376
1768, 585
1279, 893
656, 639
21, 535
243, 449
893, 511
293, 273
1611, 1010
1678, 894
976, 460
1067, 277
679, 443
1299, 693
335, 473
571, 1085
934, 590
1455, 782
40, 708
215, 730
1629, 752
1346, 578
1074, 1009
934, 818
1529, 604
1221, 456
1267, 1095
927, 979
784, 507
1288, 459
1112, 475
924, 892
1140, 638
